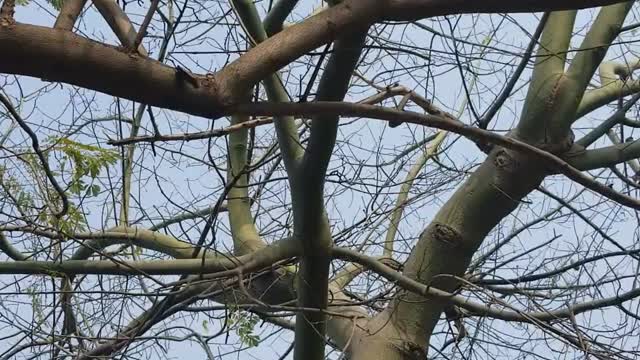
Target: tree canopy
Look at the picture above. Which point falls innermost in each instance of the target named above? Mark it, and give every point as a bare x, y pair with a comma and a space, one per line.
355, 179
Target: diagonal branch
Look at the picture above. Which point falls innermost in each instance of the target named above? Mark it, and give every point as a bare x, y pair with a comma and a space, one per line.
119, 22
69, 13
145, 24
552, 161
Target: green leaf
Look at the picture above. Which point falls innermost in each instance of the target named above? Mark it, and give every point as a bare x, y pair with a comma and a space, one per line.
57, 4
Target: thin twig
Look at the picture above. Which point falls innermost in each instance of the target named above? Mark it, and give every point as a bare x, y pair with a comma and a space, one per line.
36, 148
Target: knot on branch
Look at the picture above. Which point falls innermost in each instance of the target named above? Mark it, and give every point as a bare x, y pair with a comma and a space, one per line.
446, 234
505, 161
6, 13
412, 351
561, 146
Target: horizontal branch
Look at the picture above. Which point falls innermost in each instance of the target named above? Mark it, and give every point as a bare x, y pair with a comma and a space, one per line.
281, 251
418, 9
587, 160
607, 156
257, 260
473, 307
199, 135
550, 274
76, 60
554, 162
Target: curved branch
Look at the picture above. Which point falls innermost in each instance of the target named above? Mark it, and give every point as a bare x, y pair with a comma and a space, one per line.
274, 20
243, 229
220, 266
187, 215
418, 9
554, 162
615, 83
474, 307
10, 250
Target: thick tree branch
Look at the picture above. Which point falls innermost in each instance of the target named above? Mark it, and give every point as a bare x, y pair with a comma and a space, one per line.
286, 130
310, 221
69, 13
419, 9
615, 83
595, 45
243, 229
275, 18
78, 61
74, 60
10, 250
549, 97
606, 156
553, 162
223, 265
7, 9
475, 308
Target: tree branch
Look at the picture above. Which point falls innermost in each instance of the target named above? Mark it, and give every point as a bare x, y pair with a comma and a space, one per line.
243, 229
552, 161
473, 307
222, 266
145, 24
418, 9
275, 18
307, 193
120, 24
69, 13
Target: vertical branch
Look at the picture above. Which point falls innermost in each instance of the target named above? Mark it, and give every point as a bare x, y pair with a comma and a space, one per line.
6, 12
69, 13
595, 45
127, 168
274, 20
547, 74
286, 129
123, 28
506, 92
311, 225
243, 230
398, 210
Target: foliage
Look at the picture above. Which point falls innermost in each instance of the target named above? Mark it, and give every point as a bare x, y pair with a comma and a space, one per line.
85, 161
244, 323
